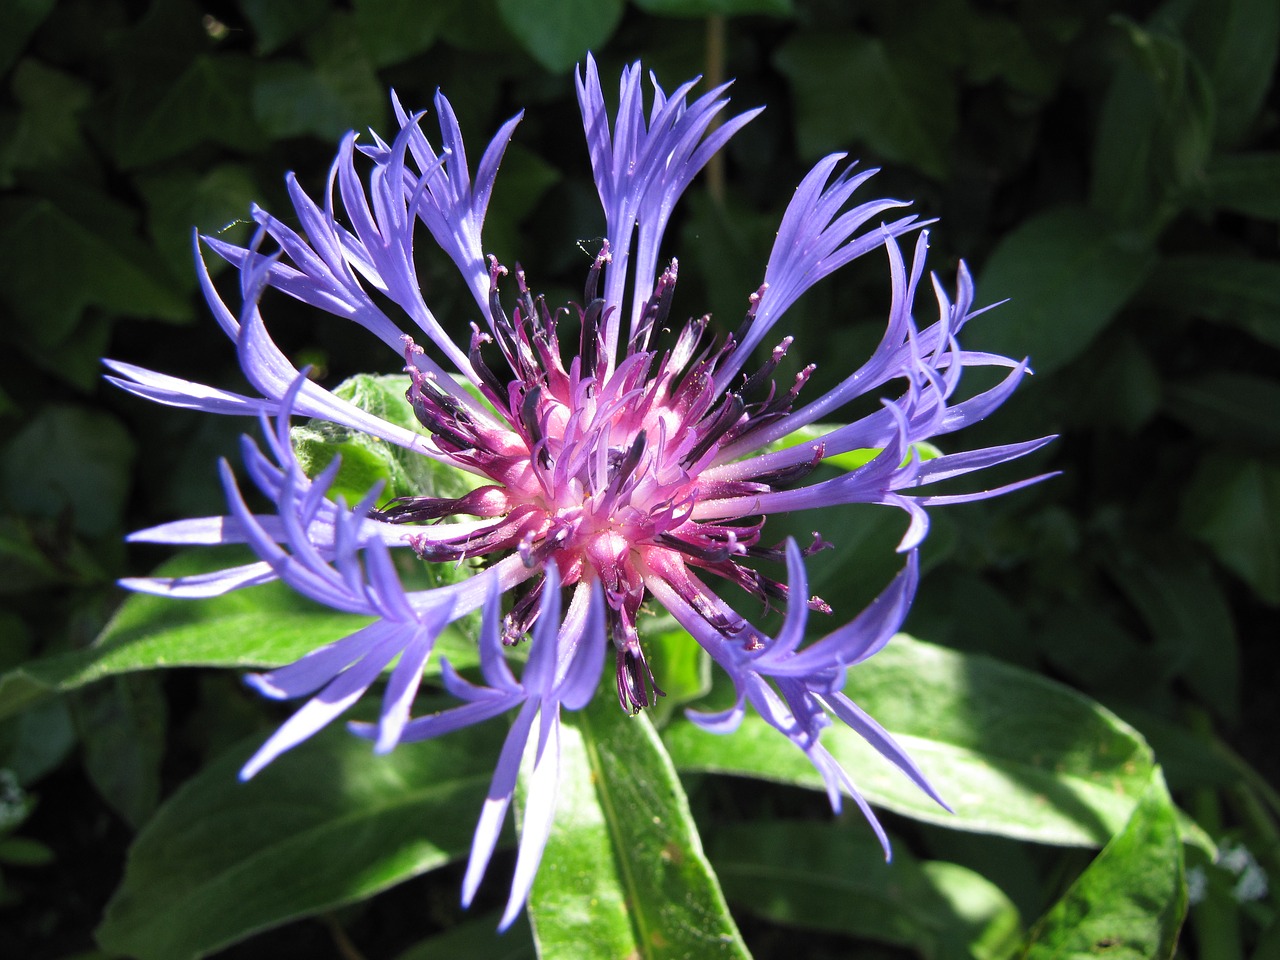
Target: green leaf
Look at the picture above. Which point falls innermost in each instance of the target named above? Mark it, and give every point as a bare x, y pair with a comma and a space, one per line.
122, 725
257, 627
1232, 505
851, 88
55, 263
716, 8
1189, 619
1247, 183
1120, 388
34, 553
1232, 407
477, 939
36, 742
1238, 42
1239, 291
328, 824
852, 459
1002, 49
395, 30
1066, 277
333, 91
1154, 134
679, 661
72, 463
727, 243
253, 628
525, 179
48, 133
1129, 904
21, 18
214, 202
834, 877
1013, 753
559, 33
275, 24
208, 102
624, 874
367, 460
23, 852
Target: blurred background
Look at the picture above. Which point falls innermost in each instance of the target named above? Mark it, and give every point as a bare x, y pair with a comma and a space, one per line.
1113, 169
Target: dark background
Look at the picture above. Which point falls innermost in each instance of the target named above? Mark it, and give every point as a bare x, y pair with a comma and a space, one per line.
1113, 168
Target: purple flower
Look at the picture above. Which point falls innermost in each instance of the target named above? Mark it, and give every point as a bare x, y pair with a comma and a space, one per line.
617, 459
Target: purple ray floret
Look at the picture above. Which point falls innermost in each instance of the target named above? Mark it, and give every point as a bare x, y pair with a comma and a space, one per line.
618, 457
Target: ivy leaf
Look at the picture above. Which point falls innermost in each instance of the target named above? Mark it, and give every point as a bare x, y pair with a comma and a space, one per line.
559, 33
853, 88
208, 102
56, 262
73, 463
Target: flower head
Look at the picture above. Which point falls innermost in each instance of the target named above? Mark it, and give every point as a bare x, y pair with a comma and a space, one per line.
619, 456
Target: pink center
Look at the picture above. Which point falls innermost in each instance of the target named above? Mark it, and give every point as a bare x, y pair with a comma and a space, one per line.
596, 466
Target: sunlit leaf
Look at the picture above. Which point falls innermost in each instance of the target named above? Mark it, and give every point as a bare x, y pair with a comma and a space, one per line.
262, 626
624, 874
1130, 902
1013, 753
682, 666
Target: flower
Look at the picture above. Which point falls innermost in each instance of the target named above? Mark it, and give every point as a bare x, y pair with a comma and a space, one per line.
617, 461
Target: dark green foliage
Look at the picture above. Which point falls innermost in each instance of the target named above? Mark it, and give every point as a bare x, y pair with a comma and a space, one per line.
1113, 168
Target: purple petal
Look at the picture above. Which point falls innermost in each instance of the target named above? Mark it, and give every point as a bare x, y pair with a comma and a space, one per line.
498, 800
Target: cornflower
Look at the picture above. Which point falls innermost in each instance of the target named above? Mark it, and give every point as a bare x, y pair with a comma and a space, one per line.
618, 458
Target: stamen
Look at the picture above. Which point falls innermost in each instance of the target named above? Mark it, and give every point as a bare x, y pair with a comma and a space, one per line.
637, 688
